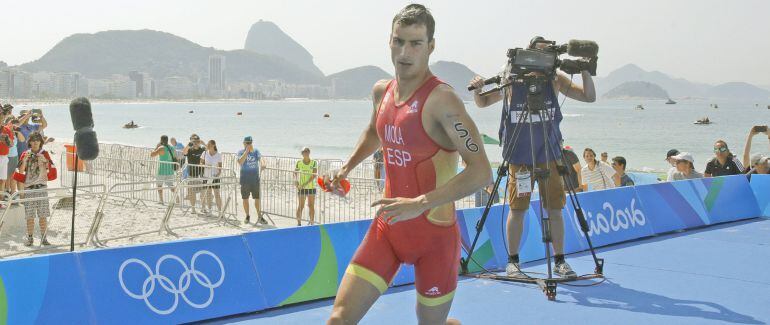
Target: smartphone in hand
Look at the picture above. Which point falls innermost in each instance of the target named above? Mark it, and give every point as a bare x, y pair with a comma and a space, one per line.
759, 129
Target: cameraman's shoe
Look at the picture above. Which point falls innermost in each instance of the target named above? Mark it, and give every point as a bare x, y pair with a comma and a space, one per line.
262, 220
29, 241
513, 270
44, 242
564, 270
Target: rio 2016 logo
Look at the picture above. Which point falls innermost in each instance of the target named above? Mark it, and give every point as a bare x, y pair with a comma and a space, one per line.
610, 219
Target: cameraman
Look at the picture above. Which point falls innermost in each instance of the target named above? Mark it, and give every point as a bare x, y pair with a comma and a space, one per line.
520, 159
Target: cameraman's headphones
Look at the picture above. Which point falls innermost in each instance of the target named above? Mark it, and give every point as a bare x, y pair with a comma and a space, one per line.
534, 41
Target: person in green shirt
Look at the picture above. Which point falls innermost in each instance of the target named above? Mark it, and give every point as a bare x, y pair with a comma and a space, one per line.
306, 171
166, 161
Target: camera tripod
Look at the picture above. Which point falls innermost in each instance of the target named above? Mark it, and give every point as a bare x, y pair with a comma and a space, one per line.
535, 106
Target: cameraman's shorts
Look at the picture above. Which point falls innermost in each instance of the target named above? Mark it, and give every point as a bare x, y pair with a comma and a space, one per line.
551, 193
433, 249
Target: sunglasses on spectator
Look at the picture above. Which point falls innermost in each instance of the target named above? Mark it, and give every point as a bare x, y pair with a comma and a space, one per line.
720, 149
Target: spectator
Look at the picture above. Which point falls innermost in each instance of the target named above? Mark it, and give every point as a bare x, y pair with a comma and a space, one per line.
596, 175
621, 178
35, 164
13, 155
193, 153
166, 167
213, 161
759, 165
747, 149
573, 168
685, 166
724, 163
605, 156
306, 171
6, 140
670, 174
251, 162
379, 169
179, 150
31, 122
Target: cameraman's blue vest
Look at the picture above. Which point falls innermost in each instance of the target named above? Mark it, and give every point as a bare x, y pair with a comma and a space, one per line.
521, 153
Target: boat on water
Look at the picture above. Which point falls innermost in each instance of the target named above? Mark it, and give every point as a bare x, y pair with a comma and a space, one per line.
239, 113
703, 121
670, 102
130, 125
639, 107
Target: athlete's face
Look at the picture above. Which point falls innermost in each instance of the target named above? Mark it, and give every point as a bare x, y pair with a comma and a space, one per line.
410, 49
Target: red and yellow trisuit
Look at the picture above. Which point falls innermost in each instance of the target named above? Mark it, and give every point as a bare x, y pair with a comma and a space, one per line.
414, 165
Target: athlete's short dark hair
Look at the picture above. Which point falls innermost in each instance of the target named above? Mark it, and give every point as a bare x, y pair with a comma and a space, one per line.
416, 14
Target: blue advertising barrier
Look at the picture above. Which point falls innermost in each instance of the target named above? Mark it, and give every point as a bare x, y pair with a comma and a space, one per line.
43, 290
301, 264
174, 282
695, 203
201, 279
612, 215
760, 185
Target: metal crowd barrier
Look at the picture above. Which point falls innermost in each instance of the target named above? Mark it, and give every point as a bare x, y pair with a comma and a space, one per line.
279, 197
161, 215
59, 227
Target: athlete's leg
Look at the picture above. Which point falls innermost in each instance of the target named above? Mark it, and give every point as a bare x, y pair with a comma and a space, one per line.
435, 315
366, 278
435, 274
354, 298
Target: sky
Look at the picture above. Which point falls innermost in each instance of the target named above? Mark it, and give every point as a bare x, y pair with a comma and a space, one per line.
706, 41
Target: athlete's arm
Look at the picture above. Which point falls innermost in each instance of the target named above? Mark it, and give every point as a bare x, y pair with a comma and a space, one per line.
369, 142
584, 93
486, 100
453, 129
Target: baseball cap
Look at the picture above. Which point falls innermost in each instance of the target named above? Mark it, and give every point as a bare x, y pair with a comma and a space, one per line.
684, 156
248, 139
758, 158
305, 149
672, 152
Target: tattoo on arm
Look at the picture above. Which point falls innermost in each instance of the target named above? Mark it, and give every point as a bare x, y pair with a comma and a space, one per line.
464, 134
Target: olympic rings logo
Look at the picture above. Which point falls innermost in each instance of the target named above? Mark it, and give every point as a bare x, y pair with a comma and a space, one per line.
177, 289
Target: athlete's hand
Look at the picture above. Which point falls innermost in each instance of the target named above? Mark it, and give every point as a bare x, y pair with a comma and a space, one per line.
336, 177
393, 210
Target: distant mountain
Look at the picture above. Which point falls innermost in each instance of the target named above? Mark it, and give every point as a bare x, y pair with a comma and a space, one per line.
738, 90
676, 87
636, 90
356, 83
456, 75
160, 54
267, 38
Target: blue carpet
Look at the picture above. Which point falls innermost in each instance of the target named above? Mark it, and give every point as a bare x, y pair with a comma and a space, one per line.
708, 276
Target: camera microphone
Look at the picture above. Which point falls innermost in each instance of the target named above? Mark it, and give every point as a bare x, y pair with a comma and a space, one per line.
493, 80
585, 49
83, 122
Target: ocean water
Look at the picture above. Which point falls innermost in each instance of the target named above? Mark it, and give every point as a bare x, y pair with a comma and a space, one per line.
283, 127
